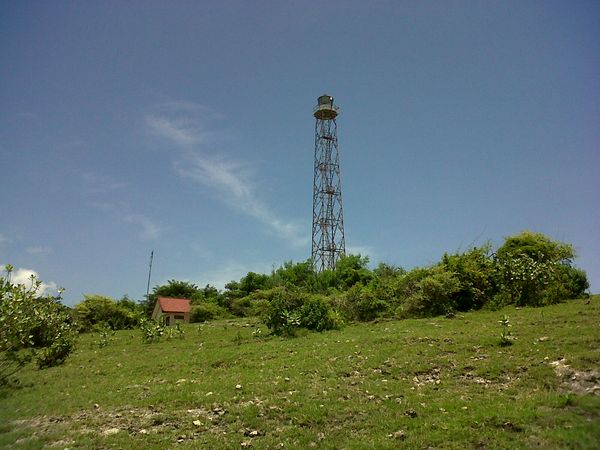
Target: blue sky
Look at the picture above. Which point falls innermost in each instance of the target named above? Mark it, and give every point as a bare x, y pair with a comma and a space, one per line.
186, 128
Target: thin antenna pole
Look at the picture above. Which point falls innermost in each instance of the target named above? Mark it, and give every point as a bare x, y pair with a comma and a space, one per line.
149, 274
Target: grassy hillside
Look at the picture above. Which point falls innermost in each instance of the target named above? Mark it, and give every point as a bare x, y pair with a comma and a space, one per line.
431, 383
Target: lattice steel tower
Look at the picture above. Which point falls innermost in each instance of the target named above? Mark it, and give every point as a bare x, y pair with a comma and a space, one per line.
328, 242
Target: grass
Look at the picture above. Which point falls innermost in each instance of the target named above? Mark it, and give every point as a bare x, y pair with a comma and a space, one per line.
431, 383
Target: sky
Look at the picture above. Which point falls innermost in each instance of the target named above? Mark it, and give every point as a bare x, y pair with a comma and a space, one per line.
186, 128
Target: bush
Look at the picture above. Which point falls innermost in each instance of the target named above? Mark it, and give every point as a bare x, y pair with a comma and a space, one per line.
361, 303
282, 316
260, 307
573, 281
300, 275
32, 328
316, 314
152, 331
536, 246
523, 280
98, 311
433, 295
534, 270
242, 307
352, 270
289, 309
207, 311
475, 271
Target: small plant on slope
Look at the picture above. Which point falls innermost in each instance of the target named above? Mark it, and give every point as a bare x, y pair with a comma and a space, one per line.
506, 337
290, 322
105, 333
151, 331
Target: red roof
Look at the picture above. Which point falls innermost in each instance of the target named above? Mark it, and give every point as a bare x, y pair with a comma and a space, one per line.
174, 305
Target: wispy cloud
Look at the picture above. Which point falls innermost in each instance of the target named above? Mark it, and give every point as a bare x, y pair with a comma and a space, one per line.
178, 130
226, 177
101, 190
96, 183
229, 271
3, 239
149, 230
27, 115
38, 250
362, 250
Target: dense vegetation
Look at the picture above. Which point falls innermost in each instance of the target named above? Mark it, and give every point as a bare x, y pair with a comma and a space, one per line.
32, 328
529, 269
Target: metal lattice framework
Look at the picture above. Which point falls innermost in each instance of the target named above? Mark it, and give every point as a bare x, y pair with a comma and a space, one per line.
328, 242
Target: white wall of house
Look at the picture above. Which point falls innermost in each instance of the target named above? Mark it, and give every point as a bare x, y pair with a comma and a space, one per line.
172, 318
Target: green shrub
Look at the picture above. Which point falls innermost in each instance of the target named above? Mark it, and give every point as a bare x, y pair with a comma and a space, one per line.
316, 314
573, 280
282, 315
105, 333
32, 328
352, 270
300, 275
152, 331
207, 311
523, 280
97, 311
369, 306
476, 272
259, 307
361, 303
534, 270
433, 295
241, 307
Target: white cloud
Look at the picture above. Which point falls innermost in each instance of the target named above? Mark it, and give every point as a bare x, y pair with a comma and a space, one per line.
227, 178
24, 276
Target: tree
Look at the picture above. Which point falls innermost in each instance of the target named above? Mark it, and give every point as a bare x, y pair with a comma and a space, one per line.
252, 282
352, 269
299, 274
385, 271
536, 270
536, 246
175, 289
129, 304
210, 293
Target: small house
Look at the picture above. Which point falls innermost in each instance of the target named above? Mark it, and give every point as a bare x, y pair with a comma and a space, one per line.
170, 310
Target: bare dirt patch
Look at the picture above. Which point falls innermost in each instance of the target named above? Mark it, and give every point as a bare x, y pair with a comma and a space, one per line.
577, 382
133, 421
